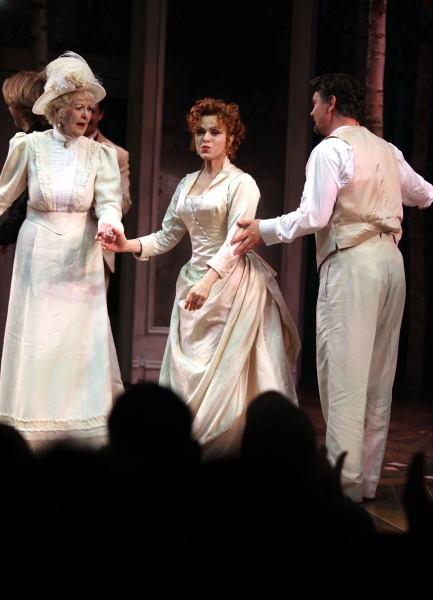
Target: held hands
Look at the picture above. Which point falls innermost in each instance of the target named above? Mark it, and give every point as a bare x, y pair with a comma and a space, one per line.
249, 238
112, 239
106, 233
200, 292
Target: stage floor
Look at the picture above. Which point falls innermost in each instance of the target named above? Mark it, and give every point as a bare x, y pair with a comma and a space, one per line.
410, 431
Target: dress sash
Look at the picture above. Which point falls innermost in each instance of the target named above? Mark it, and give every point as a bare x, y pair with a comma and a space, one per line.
58, 222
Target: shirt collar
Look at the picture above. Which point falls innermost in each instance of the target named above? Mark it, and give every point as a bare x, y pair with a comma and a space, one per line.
338, 129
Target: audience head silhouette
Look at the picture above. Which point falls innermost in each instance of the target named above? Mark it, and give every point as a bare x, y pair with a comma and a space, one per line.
277, 431
152, 423
13, 447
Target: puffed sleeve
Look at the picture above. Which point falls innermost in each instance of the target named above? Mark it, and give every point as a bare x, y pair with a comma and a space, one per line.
123, 160
243, 197
13, 179
108, 190
173, 230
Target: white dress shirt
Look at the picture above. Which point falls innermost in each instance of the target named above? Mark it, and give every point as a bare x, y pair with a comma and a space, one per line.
329, 168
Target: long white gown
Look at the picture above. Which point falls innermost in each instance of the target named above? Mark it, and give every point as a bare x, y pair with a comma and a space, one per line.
59, 373
243, 341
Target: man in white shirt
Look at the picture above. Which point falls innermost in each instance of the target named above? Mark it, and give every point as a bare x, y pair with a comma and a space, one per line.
355, 186
93, 132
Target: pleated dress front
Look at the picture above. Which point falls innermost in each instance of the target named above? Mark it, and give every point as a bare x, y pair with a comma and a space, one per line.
59, 372
243, 341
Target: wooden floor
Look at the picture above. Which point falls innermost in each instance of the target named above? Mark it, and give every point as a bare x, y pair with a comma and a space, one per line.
410, 431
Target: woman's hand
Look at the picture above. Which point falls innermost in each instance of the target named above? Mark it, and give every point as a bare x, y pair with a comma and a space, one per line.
120, 243
106, 233
200, 292
112, 239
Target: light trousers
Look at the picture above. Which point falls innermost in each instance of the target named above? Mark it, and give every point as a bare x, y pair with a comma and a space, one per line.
359, 312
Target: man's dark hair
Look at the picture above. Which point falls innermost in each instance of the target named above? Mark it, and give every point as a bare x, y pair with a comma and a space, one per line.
348, 92
101, 104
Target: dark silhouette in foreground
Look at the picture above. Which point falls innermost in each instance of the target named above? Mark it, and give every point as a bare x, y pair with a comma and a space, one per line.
150, 425
279, 452
143, 515
418, 504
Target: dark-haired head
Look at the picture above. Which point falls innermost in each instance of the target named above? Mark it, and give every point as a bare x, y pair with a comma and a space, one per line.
152, 423
13, 447
348, 92
278, 432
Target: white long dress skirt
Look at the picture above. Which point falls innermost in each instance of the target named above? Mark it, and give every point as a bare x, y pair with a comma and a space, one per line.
242, 342
59, 373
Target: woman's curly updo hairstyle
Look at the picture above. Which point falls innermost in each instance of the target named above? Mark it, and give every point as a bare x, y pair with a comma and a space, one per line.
228, 117
62, 102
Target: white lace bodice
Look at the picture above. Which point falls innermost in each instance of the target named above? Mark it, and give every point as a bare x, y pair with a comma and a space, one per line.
210, 219
64, 164
192, 204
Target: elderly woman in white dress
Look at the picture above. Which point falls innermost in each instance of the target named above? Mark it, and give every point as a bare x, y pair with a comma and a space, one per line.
59, 372
231, 335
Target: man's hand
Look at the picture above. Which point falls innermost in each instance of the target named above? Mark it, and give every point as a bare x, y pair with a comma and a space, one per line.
3, 249
249, 238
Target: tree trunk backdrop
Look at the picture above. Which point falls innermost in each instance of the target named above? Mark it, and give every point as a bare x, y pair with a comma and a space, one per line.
375, 66
38, 34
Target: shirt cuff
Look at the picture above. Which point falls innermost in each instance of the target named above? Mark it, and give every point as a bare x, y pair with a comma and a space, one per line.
110, 220
267, 228
217, 266
147, 247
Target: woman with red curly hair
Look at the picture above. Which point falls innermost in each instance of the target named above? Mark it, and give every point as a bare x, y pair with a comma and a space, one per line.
231, 335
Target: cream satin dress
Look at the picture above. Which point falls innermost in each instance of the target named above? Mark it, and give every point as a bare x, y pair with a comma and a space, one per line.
243, 341
59, 372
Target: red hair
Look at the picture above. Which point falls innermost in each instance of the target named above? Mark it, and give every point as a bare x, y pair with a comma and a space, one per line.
228, 118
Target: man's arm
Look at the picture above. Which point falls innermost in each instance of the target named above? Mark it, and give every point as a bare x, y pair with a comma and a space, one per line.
123, 160
415, 190
327, 171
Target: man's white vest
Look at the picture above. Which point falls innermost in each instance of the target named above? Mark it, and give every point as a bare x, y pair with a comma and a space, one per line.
371, 202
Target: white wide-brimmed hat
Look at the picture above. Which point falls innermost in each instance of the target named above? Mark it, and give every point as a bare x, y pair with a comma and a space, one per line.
66, 74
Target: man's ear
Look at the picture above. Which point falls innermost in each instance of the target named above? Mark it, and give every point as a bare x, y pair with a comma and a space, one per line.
332, 102
101, 115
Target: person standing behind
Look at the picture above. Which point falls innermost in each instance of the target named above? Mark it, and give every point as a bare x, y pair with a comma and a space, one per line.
356, 184
93, 132
20, 92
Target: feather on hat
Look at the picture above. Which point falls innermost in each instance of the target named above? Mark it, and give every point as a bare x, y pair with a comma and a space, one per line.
66, 74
